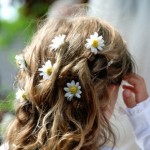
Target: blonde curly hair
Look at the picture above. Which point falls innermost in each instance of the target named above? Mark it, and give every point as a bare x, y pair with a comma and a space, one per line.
47, 121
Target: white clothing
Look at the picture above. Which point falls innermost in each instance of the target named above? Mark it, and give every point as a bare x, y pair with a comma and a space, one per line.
4, 147
140, 119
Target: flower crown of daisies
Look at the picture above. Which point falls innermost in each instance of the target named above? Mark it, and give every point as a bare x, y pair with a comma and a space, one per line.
73, 89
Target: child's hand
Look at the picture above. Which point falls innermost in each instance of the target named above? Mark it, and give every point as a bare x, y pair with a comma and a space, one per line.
135, 93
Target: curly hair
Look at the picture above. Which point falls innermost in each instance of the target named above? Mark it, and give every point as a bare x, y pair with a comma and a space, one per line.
47, 121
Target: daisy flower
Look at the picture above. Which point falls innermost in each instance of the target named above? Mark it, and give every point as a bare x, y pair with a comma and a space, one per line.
57, 41
20, 61
21, 95
95, 43
73, 89
46, 70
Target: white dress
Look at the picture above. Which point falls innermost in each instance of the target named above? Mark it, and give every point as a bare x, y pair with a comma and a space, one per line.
139, 117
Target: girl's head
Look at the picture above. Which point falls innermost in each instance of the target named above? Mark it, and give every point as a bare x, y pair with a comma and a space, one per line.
65, 78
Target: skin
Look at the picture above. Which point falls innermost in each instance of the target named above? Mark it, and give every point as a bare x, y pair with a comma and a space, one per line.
113, 94
135, 92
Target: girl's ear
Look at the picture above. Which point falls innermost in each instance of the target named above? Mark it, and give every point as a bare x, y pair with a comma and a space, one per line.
113, 89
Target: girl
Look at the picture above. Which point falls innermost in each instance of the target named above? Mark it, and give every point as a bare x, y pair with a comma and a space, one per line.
68, 81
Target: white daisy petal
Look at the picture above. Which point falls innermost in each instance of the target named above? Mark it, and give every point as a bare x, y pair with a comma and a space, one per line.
78, 95
21, 95
100, 48
88, 40
57, 42
100, 38
40, 69
79, 92
68, 84
63, 37
66, 89
68, 94
46, 70
88, 46
72, 89
46, 77
20, 61
102, 45
79, 87
92, 36
95, 43
70, 98
95, 34
42, 74
77, 84
94, 50
48, 63
72, 82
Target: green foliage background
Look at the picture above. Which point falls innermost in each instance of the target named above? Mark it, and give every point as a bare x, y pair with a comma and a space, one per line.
22, 29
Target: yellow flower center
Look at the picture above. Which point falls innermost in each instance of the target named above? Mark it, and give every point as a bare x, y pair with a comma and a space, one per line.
73, 89
24, 96
49, 71
18, 63
95, 43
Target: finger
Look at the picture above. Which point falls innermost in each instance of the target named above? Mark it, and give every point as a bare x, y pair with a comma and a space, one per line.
133, 75
139, 88
129, 98
138, 84
127, 87
133, 81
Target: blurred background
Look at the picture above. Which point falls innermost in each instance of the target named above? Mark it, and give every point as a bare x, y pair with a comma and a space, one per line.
19, 20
